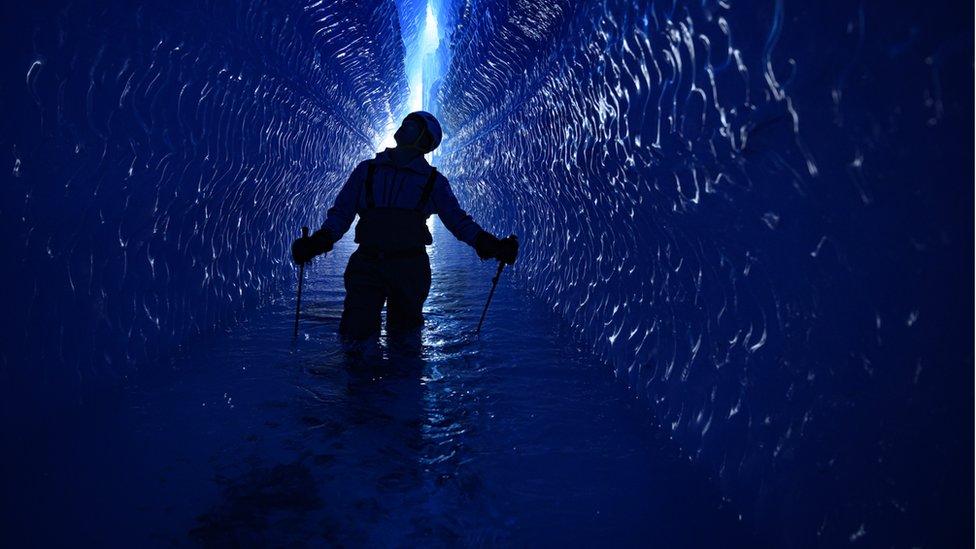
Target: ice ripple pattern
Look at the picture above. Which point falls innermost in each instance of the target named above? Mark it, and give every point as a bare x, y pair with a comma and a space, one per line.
671, 209
608, 154
180, 146
752, 212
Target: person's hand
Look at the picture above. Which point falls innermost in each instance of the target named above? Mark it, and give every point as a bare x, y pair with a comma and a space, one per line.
307, 247
490, 247
508, 248
302, 250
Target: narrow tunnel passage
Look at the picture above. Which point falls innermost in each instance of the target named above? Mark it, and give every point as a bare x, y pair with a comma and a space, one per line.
252, 445
744, 294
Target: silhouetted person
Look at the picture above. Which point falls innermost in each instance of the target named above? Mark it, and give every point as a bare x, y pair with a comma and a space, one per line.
394, 194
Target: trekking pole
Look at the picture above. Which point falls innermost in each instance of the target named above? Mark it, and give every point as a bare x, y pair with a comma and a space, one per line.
494, 284
301, 280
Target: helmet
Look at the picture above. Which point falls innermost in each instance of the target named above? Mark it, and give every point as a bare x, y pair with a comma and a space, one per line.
431, 135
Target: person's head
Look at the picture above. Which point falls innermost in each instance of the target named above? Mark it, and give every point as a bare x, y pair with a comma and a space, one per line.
419, 131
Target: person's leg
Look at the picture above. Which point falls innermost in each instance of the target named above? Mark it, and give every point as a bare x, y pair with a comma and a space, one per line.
409, 283
406, 347
365, 294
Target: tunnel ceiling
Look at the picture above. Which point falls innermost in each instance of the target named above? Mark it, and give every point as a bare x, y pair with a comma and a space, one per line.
751, 213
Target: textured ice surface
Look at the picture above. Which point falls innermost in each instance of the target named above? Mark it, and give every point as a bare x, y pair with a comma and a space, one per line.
735, 206
164, 156
759, 214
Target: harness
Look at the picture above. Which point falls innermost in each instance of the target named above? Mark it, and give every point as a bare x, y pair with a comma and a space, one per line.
424, 195
391, 231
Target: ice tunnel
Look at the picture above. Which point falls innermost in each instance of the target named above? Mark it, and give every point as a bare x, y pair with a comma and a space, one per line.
753, 218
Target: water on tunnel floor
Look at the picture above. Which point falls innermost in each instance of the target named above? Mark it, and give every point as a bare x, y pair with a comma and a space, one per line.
517, 437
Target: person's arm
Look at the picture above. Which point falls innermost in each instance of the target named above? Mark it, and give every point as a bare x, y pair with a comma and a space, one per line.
458, 221
343, 210
464, 228
337, 220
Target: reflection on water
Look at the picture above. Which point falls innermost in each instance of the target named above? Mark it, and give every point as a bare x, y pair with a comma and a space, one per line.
516, 437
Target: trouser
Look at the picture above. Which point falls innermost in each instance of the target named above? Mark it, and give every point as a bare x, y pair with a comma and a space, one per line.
372, 280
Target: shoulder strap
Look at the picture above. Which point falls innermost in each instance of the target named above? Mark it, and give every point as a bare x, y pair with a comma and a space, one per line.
428, 188
370, 199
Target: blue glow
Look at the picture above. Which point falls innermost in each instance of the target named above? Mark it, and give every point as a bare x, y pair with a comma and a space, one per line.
758, 217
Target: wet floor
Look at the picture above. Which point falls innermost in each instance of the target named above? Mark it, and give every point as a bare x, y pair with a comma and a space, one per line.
518, 437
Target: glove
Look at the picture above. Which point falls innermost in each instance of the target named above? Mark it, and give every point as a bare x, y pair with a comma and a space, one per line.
490, 247
307, 247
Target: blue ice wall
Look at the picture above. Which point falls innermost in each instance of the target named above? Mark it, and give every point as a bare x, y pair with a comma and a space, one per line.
760, 215
159, 158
